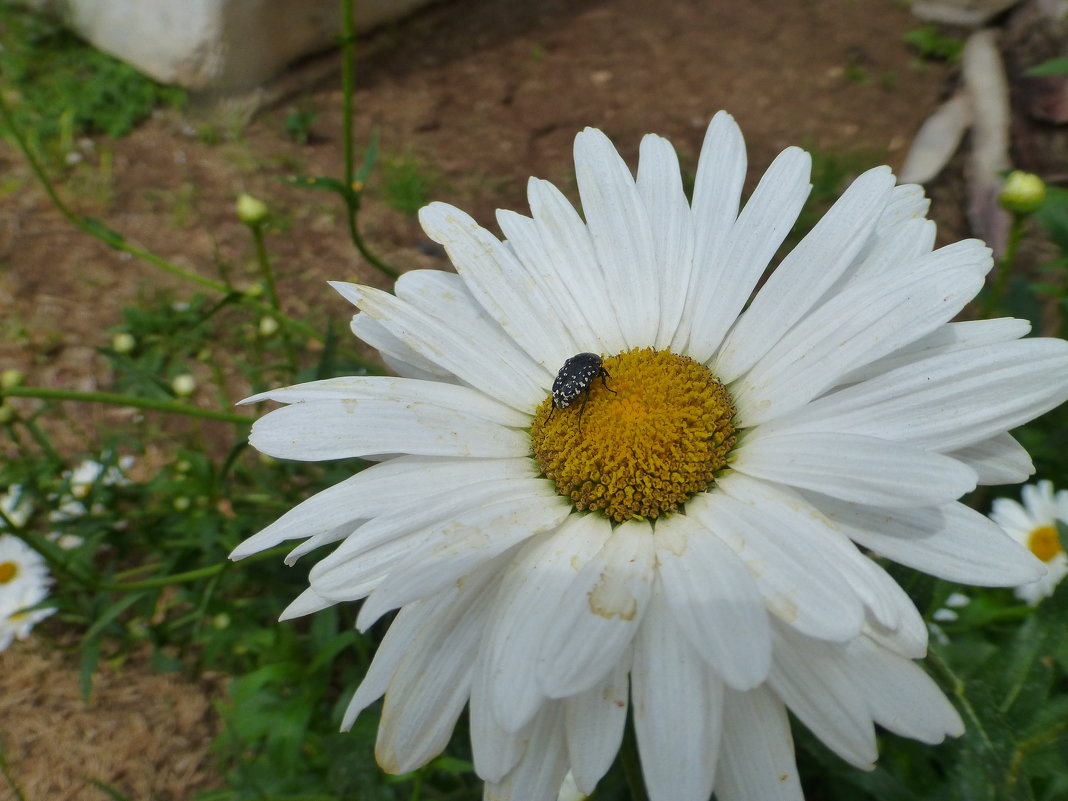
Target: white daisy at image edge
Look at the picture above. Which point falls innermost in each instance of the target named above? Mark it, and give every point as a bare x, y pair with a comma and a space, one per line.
685, 538
24, 582
1033, 524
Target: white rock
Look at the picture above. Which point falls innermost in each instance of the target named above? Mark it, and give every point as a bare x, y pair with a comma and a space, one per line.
215, 45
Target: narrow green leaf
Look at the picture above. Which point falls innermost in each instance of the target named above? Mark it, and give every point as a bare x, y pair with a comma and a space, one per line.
369, 159
1055, 66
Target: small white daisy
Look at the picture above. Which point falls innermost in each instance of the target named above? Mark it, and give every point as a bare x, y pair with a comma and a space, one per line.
1034, 525
16, 506
679, 530
24, 582
90, 472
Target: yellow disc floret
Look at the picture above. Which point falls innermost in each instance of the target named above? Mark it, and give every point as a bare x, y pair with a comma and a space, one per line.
1044, 543
653, 436
8, 571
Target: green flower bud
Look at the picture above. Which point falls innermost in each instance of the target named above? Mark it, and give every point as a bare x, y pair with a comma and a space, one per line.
1023, 193
184, 385
11, 378
123, 343
268, 326
250, 210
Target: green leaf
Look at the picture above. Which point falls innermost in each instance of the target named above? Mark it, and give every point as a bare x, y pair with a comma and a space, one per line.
322, 182
1055, 66
101, 231
1053, 216
90, 657
369, 158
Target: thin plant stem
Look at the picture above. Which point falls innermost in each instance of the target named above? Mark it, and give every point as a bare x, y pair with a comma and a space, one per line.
118, 242
111, 238
348, 89
39, 436
264, 261
1005, 265
115, 399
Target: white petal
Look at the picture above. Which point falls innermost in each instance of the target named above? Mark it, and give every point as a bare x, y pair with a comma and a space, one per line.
622, 237
599, 612
952, 542
458, 546
318, 541
714, 601
498, 281
495, 750
524, 612
478, 353
341, 429
379, 489
949, 401
660, 186
998, 460
862, 469
909, 637
716, 196
899, 695
894, 251
949, 338
362, 561
594, 721
407, 390
815, 688
411, 625
431, 684
806, 273
816, 534
541, 771
907, 202
568, 244
553, 294
395, 352
794, 581
756, 759
304, 604
761, 227
677, 709
860, 324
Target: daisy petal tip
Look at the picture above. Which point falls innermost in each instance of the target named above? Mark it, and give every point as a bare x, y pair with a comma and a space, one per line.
350, 292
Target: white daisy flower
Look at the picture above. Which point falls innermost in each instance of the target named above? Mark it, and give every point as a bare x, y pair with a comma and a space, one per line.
24, 582
1034, 525
89, 472
16, 507
685, 527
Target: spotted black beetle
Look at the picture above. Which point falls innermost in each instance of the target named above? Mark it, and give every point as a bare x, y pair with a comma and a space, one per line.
574, 378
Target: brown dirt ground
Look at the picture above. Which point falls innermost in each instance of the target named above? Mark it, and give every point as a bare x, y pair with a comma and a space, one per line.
486, 93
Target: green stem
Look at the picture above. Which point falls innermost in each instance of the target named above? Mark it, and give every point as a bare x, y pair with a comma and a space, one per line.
164, 581
116, 240
1005, 265
91, 227
264, 261
348, 90
39, 436
116, 399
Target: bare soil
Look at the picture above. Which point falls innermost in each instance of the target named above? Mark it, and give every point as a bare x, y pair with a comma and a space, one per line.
483, 94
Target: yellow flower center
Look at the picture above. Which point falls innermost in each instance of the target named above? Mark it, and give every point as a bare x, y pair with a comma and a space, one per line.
8, 571
1044, 542
658, 433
